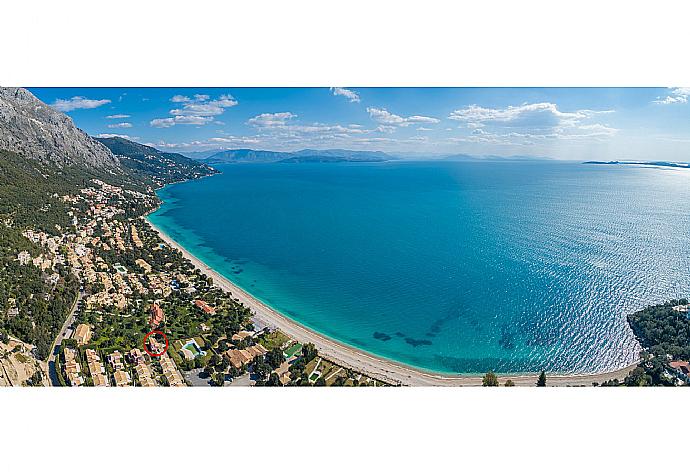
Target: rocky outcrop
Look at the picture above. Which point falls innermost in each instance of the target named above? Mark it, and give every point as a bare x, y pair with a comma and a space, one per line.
33, 129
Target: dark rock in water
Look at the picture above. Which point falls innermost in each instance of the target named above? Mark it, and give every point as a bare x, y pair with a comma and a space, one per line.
506, 341
400, 335
381, 336
417, 342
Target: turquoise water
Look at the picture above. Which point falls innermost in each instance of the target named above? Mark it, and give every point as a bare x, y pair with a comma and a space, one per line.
449, 266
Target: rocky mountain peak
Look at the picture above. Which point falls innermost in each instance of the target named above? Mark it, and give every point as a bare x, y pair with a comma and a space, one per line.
33, 129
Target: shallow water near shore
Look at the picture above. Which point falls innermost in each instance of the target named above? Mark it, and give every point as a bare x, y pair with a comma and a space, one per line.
457, 267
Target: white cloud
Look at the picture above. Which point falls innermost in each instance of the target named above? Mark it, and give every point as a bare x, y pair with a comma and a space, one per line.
75, 103
528, 123
201, 105
162, 122
268, 120
198, 110
235, 140
351, 95
676, 95
383, 116
180, 120
124, 136
117, 117
528, 114
120, 125
217, 142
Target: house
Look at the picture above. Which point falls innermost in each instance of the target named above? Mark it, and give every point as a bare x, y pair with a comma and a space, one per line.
257, 350
170, 371
122, 378
205, 307
242, 335
157, 315
683, 369
82, 334
24, 258
283, 372
187, 354
241, 357
72, 368
99, 380
115, 360
135, 356
154, 345
144, 375
146, 267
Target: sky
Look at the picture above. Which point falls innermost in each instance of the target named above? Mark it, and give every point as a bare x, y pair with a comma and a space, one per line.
557, 123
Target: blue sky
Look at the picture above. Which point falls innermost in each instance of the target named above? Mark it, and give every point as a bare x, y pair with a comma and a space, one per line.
560, 123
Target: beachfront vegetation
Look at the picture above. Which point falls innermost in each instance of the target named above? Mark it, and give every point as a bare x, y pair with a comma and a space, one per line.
541, 381
490, 380
664, 334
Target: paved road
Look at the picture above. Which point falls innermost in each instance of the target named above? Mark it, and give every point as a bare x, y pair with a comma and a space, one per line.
58, 340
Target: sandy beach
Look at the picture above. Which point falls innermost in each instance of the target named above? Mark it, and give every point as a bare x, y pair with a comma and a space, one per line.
373, 366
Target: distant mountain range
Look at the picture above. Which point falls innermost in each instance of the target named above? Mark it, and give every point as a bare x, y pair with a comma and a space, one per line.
305, 155
334, 155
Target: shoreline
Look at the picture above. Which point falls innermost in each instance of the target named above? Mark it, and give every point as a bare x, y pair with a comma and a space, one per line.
371, 365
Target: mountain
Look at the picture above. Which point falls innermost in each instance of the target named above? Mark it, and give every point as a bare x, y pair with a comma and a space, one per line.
199, 155
44, 157
32, 129
336, 155
147, 162
246, 155
305, 155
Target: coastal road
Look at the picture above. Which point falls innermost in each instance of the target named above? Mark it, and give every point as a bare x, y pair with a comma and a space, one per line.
58, 340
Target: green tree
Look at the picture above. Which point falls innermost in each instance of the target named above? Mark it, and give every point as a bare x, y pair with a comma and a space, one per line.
541, 381
275, 357
490, 380
219, 379
509, 383
309, 352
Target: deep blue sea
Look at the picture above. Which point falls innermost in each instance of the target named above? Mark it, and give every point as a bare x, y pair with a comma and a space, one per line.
449, 266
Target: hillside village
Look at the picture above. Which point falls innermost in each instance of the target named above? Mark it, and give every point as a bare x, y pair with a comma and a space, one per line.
133, 284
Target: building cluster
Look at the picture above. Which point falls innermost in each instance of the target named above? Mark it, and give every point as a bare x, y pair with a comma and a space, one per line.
170, 371
121, 276
241, 357
72, 368
96, 369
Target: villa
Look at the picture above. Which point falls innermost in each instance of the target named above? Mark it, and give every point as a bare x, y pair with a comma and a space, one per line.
82, 334
144, 375
241, 357
122, 378
682, 368
115, 360
157, 315
242, 335
208, 309
135, 356
144, 265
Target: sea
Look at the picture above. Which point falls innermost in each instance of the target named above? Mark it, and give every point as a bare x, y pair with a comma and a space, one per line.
451, 267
